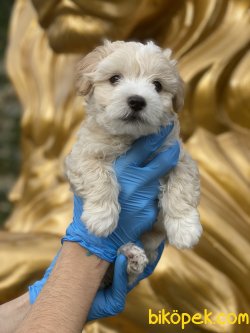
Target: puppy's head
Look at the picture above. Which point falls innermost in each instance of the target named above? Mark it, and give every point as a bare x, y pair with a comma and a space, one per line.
130, 88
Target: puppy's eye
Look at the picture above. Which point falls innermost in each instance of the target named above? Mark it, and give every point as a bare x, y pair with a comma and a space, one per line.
115, 78
158, 86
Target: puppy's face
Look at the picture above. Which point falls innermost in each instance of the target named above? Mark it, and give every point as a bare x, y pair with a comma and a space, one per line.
130, 88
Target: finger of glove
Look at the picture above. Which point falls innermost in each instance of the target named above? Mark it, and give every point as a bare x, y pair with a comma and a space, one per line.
120, 280
111, 301
99, 307
163, 162
143, 148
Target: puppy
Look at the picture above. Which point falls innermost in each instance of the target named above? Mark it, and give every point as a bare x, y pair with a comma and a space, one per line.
131, 90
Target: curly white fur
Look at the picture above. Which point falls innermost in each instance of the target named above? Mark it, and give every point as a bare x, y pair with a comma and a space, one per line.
105, 135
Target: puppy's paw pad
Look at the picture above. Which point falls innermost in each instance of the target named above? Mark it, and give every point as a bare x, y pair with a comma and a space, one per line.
185, 232
137, 259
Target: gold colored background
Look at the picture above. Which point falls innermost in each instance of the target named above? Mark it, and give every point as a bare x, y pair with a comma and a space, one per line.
210, 39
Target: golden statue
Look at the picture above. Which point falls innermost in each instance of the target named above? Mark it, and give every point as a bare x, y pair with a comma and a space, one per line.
210, 39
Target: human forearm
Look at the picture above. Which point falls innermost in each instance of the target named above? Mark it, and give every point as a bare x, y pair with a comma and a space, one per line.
13, 313
66, 298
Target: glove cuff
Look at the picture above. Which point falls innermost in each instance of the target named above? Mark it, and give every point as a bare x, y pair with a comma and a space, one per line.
34, 291
104, 254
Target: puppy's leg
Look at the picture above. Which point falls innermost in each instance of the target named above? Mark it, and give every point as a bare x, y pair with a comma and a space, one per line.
95, 182
152, 239
179, 198
137, 260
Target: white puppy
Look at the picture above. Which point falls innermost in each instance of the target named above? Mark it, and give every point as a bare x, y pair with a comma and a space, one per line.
131, 89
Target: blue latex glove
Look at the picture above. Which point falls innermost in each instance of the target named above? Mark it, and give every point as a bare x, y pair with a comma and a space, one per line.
109, 301
139, 184
138, 198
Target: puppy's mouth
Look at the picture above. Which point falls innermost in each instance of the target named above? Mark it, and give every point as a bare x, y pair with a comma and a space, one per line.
133, 117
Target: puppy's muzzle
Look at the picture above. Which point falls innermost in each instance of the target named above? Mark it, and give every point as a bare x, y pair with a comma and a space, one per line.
136, 103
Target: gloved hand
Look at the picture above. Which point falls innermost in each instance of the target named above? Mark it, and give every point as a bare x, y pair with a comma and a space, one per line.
139, 184
109, 301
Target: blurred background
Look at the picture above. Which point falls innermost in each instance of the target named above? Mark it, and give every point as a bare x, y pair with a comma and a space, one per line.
40, 43
10, 112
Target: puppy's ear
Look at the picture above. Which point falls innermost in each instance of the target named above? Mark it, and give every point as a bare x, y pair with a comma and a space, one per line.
178, 98
86, 67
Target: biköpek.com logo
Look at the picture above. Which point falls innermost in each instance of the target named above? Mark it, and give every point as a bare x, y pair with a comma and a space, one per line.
165, 317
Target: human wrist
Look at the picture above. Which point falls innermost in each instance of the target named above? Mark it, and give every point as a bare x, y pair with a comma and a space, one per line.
96, 265
35, 288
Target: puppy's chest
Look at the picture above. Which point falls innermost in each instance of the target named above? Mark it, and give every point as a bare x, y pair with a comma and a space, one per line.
107, 151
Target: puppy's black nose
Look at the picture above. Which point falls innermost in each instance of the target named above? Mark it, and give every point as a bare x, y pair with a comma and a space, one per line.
136, 102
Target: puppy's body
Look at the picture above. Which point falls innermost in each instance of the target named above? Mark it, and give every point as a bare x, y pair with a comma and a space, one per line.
131, 90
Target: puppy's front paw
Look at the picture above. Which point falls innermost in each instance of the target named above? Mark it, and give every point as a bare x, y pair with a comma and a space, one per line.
101, 221
137, 260
184, 232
